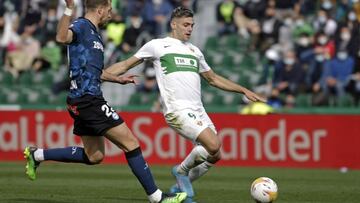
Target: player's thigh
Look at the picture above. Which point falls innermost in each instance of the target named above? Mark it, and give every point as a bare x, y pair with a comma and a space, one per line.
208, 139
122, 137
94, 147
188, 123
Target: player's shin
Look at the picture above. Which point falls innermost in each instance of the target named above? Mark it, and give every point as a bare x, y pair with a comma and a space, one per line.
200, 170
141, 170
67, 154
197, 156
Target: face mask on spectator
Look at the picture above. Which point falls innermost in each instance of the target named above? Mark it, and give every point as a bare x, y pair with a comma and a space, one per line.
352, 16
342, 55
322, 19
327, 5
157, 2
303, 41
299, 22
320, 58
345, 36
288, 22
289, 61
136, 22
322, 40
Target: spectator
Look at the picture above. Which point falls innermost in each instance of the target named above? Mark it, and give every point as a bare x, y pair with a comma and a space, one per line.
346, 41
255, 9
337, 74
270, 27
8, 34
20, 57
225, 17
132, 33
290, 78
149, 84
324, 23
156, 15
50, 57
354, 86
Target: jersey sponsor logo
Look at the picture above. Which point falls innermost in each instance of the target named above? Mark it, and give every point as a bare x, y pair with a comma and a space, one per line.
178, 63
98, 45
166, 46
185, 62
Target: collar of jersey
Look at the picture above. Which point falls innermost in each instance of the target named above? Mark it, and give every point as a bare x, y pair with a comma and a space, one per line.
91, 24
176, 40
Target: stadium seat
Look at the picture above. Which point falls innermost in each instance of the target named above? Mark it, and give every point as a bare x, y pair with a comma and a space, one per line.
303, 100
3, 99
212, 43
345, 101
6, 79
231, 99
227, 61
25, 78
211, 98
59, 99
44, 78
232, 42
140, 98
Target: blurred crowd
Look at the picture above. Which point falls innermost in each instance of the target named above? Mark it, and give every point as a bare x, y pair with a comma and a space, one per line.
28, 30
309, 46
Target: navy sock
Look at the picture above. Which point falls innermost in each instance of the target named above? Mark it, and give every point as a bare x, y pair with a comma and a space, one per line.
141, 170
67, 154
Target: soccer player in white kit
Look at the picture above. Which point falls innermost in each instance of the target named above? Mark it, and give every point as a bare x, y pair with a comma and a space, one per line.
178, 65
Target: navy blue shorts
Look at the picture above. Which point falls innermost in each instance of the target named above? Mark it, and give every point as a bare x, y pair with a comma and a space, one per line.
92, 115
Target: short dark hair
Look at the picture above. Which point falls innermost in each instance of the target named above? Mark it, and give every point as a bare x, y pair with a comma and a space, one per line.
93, 4
181, 12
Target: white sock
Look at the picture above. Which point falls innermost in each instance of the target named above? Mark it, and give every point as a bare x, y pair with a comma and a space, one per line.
155, 197
197, 156
199, 170
39, 155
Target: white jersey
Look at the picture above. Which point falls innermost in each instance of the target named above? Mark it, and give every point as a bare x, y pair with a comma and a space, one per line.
177, 65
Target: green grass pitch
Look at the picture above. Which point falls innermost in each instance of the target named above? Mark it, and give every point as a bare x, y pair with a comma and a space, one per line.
60, 183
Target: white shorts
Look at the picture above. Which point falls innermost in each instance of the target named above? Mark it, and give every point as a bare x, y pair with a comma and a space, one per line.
189, 123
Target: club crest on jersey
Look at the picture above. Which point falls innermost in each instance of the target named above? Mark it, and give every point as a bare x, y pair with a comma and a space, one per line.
115, 116
98, 45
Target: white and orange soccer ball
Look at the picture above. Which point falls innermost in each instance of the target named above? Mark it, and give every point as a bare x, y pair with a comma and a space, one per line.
264, 190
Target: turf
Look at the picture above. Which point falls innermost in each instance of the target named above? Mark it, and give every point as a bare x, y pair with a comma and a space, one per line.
59, 183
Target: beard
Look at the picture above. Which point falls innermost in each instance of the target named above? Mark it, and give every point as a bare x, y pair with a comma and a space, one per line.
103, 23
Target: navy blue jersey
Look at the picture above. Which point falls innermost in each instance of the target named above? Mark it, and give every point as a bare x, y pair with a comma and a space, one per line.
86, 59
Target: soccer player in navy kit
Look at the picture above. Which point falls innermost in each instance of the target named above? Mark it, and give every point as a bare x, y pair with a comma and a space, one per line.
93, 118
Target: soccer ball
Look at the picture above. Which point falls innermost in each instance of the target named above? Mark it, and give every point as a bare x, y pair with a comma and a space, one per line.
264, 190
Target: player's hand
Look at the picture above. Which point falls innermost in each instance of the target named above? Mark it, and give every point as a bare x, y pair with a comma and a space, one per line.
70, 4
126, 79
253, 97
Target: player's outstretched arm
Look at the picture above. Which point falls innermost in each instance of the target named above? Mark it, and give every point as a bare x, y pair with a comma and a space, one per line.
227, 85
63, 34
121, 67
123, 79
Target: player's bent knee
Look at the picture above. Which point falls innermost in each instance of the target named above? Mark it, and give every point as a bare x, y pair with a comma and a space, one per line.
214, 148
96, 158
215, 158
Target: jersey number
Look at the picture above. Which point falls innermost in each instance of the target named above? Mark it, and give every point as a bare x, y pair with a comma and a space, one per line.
108, 110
